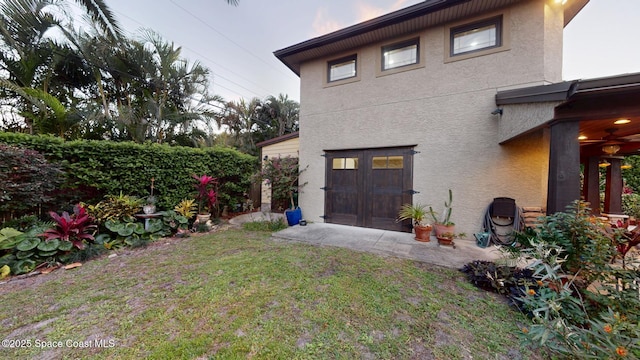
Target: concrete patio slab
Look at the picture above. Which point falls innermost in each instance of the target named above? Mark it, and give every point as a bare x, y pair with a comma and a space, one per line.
389, 243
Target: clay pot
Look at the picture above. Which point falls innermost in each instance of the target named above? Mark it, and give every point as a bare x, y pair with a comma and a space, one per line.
423, 233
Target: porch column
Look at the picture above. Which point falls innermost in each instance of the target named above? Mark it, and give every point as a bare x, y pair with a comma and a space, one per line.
613, 188
564, 165
591, 186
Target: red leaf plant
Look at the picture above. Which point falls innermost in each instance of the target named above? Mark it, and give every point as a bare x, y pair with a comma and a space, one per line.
206, 196
76, 228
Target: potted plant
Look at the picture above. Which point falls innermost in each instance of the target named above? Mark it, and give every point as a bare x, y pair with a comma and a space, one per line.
444, 226
150, 206
447, 238
205, 196
417, 213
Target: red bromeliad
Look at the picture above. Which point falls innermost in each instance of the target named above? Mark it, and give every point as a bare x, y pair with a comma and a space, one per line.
75, 228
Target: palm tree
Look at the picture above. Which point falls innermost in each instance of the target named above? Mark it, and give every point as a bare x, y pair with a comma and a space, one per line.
239, 118
38, 65
284, 113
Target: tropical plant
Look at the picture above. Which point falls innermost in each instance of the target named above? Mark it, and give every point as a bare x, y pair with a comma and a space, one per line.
115, 207
205, 193
174, 222
76, 229
186, 208
23, 252
129, 232
417, 213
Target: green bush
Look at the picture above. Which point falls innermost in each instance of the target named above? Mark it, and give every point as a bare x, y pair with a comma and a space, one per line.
98, 168
582, 305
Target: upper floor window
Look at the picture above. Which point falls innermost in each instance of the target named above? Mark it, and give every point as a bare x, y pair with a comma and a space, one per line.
400, 54
485, 34
343, 68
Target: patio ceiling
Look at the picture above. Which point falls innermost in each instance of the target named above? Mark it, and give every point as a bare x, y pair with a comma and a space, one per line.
598, 104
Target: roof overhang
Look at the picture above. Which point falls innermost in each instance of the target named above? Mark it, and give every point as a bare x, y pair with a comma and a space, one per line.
423, 15
595, 103
278, 139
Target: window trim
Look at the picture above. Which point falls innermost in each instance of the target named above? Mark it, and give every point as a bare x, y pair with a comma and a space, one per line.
344, 59
503, 36
397, 46
496, 20
421, 57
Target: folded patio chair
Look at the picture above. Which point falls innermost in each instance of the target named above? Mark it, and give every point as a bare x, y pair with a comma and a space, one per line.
502, 219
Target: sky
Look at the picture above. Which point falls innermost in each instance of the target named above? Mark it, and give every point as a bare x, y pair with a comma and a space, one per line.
236, 43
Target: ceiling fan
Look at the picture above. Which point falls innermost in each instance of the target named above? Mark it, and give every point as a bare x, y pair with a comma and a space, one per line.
611, 143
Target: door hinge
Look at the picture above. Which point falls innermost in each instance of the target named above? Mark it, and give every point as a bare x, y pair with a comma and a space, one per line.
324, 217
413, 152
413, 192
324, 155
325, 188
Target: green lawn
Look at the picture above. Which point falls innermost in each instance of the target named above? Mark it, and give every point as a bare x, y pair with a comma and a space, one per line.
238, 294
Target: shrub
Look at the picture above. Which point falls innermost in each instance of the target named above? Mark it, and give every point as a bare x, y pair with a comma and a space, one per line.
27, 180
283, 175
97, 168
563, 322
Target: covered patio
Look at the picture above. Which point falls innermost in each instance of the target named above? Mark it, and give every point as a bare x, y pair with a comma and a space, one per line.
594, 123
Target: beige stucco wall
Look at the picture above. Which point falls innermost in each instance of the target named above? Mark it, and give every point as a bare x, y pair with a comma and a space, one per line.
444, 108
285, 148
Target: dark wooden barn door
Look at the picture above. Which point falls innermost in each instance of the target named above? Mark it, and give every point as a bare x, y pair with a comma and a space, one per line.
368, 187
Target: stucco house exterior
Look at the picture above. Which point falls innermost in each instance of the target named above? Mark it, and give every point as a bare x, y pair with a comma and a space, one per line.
281, 146
448, 94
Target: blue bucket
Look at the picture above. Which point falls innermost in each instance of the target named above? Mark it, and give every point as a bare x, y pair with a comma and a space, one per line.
293, 216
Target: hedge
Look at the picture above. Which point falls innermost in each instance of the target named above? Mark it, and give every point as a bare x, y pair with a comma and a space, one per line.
96, 168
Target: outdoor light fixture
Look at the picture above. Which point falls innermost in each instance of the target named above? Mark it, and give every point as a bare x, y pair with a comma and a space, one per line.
604, 163
622, 121
610, 149
582, 137
625, 166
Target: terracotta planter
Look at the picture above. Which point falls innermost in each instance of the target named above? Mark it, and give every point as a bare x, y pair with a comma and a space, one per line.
423, 233
445, 240
442, 229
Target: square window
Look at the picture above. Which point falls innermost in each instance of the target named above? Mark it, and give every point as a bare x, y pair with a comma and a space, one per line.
478, 36
400, 54
342, 68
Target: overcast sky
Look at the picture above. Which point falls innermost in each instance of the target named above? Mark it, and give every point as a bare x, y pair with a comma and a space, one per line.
237, 43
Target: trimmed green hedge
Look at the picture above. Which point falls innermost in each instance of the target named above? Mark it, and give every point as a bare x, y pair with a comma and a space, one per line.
127, 167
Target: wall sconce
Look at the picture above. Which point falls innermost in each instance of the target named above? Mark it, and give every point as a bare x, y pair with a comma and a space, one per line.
604, 163
625, 166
